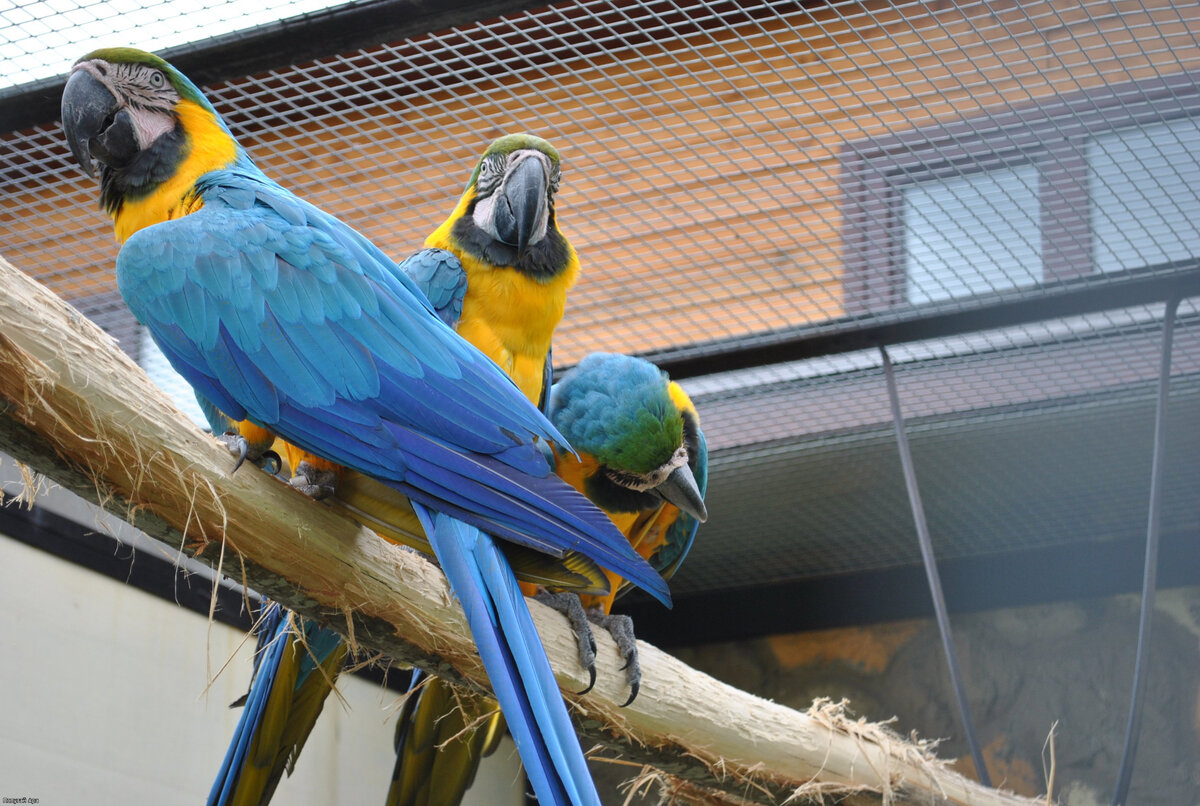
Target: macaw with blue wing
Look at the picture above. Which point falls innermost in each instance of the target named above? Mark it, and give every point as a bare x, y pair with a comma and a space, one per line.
442, 277
498, 268
643, 459
283, 316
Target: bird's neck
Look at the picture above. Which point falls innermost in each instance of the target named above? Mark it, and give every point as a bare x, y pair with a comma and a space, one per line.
207, 146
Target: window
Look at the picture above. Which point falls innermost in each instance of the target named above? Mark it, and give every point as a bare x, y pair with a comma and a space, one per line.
1143, 185
971, 234
1084, 185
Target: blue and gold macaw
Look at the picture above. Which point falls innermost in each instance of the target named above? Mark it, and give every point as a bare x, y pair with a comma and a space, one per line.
498, 268
639, 455
525, 189
643, 459
283, 316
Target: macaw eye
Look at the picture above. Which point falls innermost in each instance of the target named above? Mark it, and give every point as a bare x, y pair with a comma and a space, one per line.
157, 79
489, 174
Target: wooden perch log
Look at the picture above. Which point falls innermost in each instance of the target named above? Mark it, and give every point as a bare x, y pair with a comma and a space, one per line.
77, 410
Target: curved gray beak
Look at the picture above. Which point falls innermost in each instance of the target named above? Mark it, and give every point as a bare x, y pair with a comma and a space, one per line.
96, 126
520, 213
680, 489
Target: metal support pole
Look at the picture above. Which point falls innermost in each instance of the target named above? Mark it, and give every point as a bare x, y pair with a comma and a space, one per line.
1150, 574
931, 573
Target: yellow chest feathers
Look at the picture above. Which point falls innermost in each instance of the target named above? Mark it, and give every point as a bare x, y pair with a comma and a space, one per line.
511, 319
521, 311
209, 148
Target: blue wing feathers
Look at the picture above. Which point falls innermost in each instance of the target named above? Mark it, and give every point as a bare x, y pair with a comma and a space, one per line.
296, 322
267, 660
441, 277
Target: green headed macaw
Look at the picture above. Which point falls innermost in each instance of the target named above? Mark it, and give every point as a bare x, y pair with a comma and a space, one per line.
643, 459
639, 455
281, 315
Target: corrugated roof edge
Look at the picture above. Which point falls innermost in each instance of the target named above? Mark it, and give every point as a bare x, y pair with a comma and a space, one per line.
290, 41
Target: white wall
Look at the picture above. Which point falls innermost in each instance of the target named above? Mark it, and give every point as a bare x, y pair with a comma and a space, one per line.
103, 700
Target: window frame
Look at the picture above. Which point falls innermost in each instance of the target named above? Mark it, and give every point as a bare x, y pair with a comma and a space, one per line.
1053, 135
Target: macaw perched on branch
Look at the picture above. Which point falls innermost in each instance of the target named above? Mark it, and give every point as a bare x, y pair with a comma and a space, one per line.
524, 191
498, 269
640, 456
643, 459
284, 316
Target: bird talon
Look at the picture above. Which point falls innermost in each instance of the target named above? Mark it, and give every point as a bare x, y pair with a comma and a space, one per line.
634, 688
236, 444
585, 642
591, 681
271, 462
621, 629
314, 483
242, 450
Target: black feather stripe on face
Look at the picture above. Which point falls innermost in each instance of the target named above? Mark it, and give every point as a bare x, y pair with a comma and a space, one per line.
542, 261
145, 173
691, 435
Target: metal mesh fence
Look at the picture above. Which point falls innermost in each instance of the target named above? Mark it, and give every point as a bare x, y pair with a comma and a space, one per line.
737, 173
1022, 438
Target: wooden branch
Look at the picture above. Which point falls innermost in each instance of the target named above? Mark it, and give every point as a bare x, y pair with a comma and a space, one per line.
76, 409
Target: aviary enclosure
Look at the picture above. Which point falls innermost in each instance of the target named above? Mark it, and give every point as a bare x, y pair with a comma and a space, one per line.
981, 216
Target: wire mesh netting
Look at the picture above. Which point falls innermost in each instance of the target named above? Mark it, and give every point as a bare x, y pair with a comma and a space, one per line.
736, 173
1022, 437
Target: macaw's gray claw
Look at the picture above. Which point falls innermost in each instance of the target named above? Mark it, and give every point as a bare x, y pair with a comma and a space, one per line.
569, 605
241, 448
270, 462
591, 681
621, 629
314, 483
238, 445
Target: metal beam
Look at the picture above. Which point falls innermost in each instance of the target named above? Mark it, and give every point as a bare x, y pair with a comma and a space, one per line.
1049, 301
1061, 573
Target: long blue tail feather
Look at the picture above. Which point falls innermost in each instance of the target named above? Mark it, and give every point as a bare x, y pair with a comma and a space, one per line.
266, 664
515, 660
292, 678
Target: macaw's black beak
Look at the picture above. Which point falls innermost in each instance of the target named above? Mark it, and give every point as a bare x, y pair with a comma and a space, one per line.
521, 207
96, 125
680, 489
